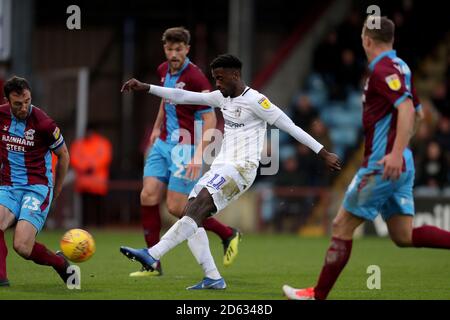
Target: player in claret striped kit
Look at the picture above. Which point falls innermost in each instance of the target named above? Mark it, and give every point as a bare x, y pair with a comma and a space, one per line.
27, 190
384, 183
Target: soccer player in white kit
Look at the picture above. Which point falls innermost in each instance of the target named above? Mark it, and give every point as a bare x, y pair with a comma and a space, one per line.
246, 113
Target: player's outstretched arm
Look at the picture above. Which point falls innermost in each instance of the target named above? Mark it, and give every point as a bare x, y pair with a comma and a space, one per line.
286, 124
61, 169
274, 115
156, 132
134, 85
419, 117
176, 96
194, 168
331, 159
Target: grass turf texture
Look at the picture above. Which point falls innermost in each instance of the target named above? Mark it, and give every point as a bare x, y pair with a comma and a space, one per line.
264, 264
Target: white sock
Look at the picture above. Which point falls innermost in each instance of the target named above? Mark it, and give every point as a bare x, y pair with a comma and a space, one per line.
180, 231
199, 245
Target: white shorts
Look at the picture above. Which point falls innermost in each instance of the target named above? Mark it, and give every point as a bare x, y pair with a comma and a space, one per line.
226, 183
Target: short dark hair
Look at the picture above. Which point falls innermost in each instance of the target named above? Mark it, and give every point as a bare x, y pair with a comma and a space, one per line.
15, 84
227, 61
384, 34
176, 34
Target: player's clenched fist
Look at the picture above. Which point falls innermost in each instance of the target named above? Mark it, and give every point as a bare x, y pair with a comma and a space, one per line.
134, 85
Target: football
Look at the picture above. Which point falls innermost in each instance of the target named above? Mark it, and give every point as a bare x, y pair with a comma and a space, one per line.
77, 245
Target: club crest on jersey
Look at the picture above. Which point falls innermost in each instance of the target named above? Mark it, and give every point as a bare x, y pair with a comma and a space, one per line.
56, 133
29, 134
393, 81
264, 102
5, 128
180, 85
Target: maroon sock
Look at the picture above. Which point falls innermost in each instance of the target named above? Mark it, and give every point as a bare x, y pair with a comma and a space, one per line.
41, 255
430, 237
151, 221
337, 256
3, 254
223, 231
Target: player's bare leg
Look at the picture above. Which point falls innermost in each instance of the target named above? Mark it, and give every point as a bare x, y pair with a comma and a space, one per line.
200, 207
403, 234
27, 247
336, 258
345, 224
400, 230
24, 238
7, 219
176, 202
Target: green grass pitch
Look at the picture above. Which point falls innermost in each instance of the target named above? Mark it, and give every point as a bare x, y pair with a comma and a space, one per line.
264, 264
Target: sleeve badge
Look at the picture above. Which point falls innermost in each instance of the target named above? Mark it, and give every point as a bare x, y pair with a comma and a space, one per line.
393, 82
264, 102
56, 133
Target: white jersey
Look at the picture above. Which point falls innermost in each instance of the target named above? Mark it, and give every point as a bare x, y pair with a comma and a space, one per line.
245, 116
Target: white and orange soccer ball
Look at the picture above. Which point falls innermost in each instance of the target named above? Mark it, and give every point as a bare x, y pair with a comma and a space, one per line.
77, 245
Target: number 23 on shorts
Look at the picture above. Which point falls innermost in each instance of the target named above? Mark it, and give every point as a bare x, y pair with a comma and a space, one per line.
31, 203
